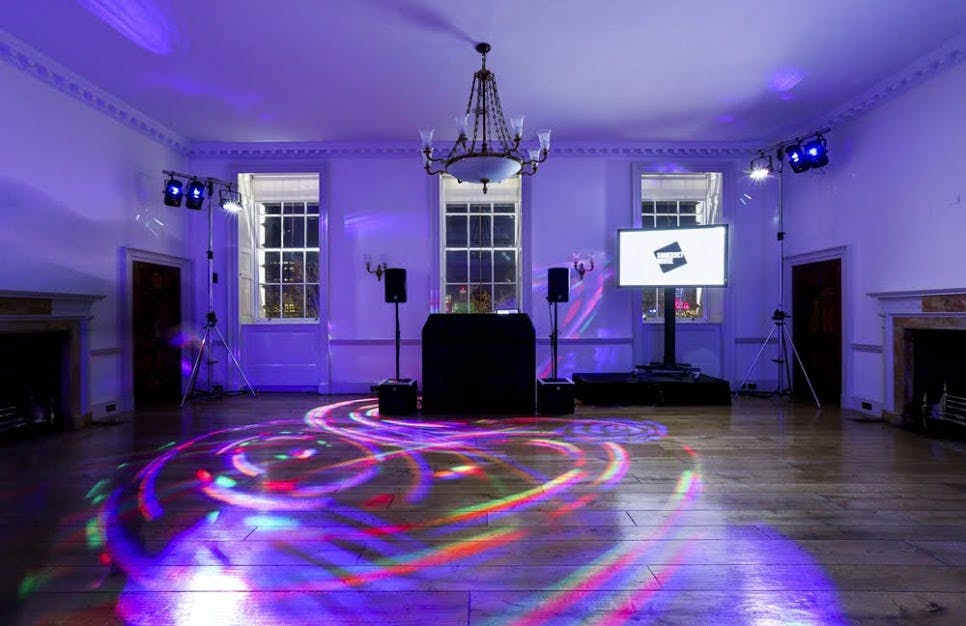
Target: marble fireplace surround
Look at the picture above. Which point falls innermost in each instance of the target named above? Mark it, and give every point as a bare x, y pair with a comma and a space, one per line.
941, 309
38, 312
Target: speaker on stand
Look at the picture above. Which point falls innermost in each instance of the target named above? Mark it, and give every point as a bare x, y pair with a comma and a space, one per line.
555, 396
397, 396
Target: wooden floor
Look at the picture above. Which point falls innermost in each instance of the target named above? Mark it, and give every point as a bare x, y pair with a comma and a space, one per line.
283, 509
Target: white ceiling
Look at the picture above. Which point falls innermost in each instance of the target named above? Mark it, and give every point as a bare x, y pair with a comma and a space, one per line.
591, 70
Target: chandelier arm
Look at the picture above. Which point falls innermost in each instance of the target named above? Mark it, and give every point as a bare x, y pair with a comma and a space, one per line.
499, 121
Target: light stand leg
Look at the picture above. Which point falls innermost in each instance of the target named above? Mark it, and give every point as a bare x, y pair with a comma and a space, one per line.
802, 366
235, 361
193, 378
754, 361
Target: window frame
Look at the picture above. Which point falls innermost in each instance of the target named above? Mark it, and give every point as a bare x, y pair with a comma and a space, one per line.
701, 217
469, 195
247, 239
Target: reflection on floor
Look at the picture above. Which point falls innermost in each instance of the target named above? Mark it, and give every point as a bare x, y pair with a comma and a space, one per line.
297, 509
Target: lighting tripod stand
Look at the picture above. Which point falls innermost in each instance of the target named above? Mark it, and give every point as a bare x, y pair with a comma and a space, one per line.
211, 321
779, 316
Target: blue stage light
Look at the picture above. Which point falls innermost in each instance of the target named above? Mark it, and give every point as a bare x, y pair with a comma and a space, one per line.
797, 158
816, 152
173, 192
195, 195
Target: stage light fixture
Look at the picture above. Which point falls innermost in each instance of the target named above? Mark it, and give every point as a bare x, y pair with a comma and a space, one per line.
173, 192
761, 167
796, 158
230, 200
816, 152
195, 195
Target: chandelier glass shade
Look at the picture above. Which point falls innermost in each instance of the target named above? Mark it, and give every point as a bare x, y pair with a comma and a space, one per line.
489, 152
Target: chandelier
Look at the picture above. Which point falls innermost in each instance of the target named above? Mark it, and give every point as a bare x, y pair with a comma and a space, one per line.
491, 154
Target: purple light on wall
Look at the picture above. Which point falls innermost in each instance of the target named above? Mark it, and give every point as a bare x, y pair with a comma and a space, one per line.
142, 22
785, 79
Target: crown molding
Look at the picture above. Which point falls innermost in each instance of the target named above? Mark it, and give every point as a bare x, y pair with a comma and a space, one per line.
36, 64
926, 67
240, 151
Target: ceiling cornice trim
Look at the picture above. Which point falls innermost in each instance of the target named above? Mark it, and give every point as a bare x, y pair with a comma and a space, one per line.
36, 64
926, 67
241, 151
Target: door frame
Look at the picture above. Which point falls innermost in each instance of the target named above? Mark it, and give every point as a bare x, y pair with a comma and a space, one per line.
126, 311
828, 254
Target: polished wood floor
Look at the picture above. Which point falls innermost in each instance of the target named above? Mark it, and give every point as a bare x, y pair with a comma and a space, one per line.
299, 509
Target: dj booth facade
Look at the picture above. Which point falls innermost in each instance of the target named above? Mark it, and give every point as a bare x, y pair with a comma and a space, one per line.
478, 363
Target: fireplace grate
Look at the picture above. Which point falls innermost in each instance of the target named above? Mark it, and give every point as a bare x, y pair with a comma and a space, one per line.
952, 408
10, 416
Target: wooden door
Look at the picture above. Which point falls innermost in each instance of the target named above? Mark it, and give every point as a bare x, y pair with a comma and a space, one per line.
817, 329
155, 326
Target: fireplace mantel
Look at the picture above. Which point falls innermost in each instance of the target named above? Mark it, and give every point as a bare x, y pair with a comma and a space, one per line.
36, 311
908, 310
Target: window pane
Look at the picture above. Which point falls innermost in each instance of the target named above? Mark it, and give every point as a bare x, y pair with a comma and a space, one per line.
505, 297
293, 268
686, 303
456, 236
504, 230
312, 207
457, 299
647, 221
688, 220
480, 235
456, 267
312, 232
293, 208
455, 207
271, 267
270, 301
479, 208
481, 266
651, 309
312, 301
504, 207
294, 234
666, 207
481, 300
272, 232
293, 300
647, 206
504, 266
311, 267
272, 208
666, 221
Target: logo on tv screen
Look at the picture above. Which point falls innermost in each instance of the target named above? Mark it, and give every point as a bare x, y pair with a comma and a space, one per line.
670, 257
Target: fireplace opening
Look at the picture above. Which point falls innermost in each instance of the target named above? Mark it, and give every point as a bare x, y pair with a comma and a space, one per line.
935, 357
34, 375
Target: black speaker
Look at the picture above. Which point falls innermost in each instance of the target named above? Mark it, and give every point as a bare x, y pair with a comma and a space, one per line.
558, 284
395, 284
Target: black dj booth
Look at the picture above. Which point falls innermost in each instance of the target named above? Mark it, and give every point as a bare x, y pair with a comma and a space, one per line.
478, 363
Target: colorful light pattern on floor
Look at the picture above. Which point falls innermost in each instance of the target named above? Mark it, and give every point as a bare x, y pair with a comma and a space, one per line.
297, 521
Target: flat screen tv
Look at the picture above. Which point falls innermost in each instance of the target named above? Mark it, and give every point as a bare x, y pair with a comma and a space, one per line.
690, 256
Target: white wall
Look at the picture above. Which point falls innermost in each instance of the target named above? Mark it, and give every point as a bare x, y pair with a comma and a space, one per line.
76, 187
892, 195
